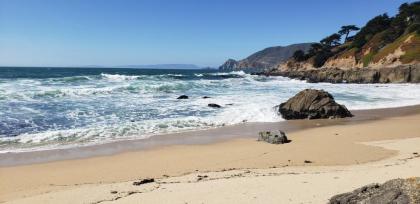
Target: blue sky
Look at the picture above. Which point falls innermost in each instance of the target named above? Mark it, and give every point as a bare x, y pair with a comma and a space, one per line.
202, 32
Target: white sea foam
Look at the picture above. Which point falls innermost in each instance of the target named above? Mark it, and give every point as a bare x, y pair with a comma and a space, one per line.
55, 113
239, 73
118, 77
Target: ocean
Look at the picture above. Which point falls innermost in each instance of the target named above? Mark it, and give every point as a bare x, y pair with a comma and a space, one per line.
48, 108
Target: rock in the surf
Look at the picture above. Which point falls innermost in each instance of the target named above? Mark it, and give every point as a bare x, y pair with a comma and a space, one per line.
312, 104
213, 105
267, 136
401, 191
182, 97
205, 97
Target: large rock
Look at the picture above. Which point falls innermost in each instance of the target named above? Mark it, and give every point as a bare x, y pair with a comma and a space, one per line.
398, 191
312, 104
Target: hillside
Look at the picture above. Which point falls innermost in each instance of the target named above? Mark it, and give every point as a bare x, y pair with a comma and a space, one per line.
383, 42
267, 58
386, 49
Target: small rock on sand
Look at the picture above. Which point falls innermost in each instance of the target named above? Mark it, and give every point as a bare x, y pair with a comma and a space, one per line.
279, 138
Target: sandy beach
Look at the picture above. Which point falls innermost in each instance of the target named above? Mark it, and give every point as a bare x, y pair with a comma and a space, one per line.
343, 156
180, 102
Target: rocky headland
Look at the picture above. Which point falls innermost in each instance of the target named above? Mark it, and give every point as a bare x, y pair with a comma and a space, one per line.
385, 50
398, 74
264, 59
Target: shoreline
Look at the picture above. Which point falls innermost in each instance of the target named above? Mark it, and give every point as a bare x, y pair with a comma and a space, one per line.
194, 137
249, 185
341, 144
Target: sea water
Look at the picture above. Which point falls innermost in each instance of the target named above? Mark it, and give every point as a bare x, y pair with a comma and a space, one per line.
44, 108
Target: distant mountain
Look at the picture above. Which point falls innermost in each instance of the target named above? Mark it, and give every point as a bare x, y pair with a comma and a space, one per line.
265, 59
162, 66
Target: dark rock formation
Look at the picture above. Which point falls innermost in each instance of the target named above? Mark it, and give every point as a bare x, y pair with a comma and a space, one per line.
312, 104
280, 138
182, 97
144, 181
399, 74
229, 65
204, 97
213, 105
398, 191
265, 59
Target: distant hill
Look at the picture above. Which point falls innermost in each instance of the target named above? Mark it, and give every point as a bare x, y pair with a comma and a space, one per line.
266, 58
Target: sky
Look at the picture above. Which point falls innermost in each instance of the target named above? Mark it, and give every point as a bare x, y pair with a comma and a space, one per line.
201, 32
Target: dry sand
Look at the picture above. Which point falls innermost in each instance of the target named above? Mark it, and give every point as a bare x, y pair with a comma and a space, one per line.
343, 157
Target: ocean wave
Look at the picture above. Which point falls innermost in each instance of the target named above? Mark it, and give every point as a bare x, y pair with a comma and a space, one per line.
90, 91
118, 77
99, 134
75, 92
229, 115
238, 73
72, 79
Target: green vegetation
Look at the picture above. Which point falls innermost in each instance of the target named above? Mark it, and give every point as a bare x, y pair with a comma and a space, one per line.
374, 26
332, 40
412, 50
389, 48
381, 36
367, 59
299, 55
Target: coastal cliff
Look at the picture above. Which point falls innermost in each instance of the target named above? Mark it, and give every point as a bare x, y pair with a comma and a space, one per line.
385, 50
398, 74
397, 62
267, 58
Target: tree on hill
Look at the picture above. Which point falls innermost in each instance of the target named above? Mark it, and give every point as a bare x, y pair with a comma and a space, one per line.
408, 17
345, 30
320, 52
299, 55
372, 27
321, 57
315, 48
332, 40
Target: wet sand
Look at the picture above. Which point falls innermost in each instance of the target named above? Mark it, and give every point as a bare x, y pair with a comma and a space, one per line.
323, 142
